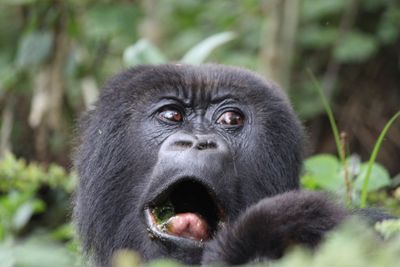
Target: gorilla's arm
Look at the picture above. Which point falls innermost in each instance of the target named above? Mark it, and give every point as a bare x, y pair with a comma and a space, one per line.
268, 228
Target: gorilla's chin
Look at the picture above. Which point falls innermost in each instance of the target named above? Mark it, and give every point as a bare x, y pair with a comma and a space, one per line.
186, 213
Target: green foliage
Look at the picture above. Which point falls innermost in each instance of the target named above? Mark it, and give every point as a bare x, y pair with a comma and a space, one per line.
106, 21
374, 154
34, 48
19, 186
98, 33
315, 10
39, 250
378, 177
353, 245
16, 208
323, 170
326, 172
20, 199
17, 174
355, 47
315, 36
17, 2
329, 36
389, 228
389, 26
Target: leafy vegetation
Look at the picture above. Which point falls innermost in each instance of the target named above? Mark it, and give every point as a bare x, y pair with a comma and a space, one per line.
326, 172
23, 209
354, 244
55, 54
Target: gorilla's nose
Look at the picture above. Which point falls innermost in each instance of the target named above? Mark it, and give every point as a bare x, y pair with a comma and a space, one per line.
191, 142
206, 144
195, 155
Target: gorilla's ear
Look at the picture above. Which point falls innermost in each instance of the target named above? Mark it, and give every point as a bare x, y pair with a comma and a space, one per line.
268, 228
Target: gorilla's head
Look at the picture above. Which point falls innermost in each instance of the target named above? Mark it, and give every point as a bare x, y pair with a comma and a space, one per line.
172, 152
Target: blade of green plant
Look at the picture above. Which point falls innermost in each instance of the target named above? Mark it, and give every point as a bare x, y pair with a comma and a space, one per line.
143, 52
198, 53
371, 161
329, 112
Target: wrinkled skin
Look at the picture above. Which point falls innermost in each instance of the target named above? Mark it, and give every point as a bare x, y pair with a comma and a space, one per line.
210, 141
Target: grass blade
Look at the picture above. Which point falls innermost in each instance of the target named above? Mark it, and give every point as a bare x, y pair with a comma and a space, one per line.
199, 53
371, 161
329, 112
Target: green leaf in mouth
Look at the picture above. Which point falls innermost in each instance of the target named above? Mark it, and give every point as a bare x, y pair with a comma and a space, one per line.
163, 212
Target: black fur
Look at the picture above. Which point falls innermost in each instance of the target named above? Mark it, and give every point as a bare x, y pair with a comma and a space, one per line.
128, 159
267, 229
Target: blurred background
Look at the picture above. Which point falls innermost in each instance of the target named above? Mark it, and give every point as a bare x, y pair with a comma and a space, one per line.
55, 56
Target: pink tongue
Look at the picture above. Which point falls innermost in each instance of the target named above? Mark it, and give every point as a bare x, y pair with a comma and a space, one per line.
188, 225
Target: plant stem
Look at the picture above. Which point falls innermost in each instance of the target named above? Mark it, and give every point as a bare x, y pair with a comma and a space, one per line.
345, 167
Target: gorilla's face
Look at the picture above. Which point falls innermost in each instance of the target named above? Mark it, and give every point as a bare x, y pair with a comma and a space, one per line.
172, 152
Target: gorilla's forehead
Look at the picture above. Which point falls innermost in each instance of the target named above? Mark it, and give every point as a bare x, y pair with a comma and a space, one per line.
205, 84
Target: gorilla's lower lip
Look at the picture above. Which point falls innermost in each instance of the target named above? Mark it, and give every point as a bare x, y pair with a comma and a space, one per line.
186, 211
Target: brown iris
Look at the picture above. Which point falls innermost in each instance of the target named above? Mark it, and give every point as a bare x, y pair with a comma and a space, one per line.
171, 115
231, 118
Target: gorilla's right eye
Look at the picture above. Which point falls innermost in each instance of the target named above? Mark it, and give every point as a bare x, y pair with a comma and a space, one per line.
170, 114
231, 118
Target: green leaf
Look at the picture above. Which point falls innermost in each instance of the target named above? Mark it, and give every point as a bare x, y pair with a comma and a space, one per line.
143, 52
314, 10
355, 47
164, 263
126, 258
22, 216
395, 181
110, 20
379, 177
34, 48
42, 251
202, 50
388, 28
7, 258
17, 2
315, 36
388, 228
323, 171
64, 232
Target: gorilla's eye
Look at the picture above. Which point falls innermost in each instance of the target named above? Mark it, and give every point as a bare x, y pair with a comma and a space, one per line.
170, 114
231, 118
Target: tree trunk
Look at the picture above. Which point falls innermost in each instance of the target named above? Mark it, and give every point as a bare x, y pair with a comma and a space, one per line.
46, 116
279, 39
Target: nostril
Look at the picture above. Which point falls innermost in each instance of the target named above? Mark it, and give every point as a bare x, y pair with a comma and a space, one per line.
183, 144
206, 145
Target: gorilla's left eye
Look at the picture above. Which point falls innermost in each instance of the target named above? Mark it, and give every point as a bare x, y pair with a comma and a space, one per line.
231, 118
170, 114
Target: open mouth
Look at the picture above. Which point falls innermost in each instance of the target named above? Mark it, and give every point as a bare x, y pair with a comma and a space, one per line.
188, 210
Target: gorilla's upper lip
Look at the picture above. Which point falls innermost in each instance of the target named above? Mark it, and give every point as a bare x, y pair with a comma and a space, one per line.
186, 212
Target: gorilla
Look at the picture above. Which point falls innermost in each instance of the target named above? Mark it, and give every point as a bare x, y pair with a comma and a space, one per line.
196, 163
